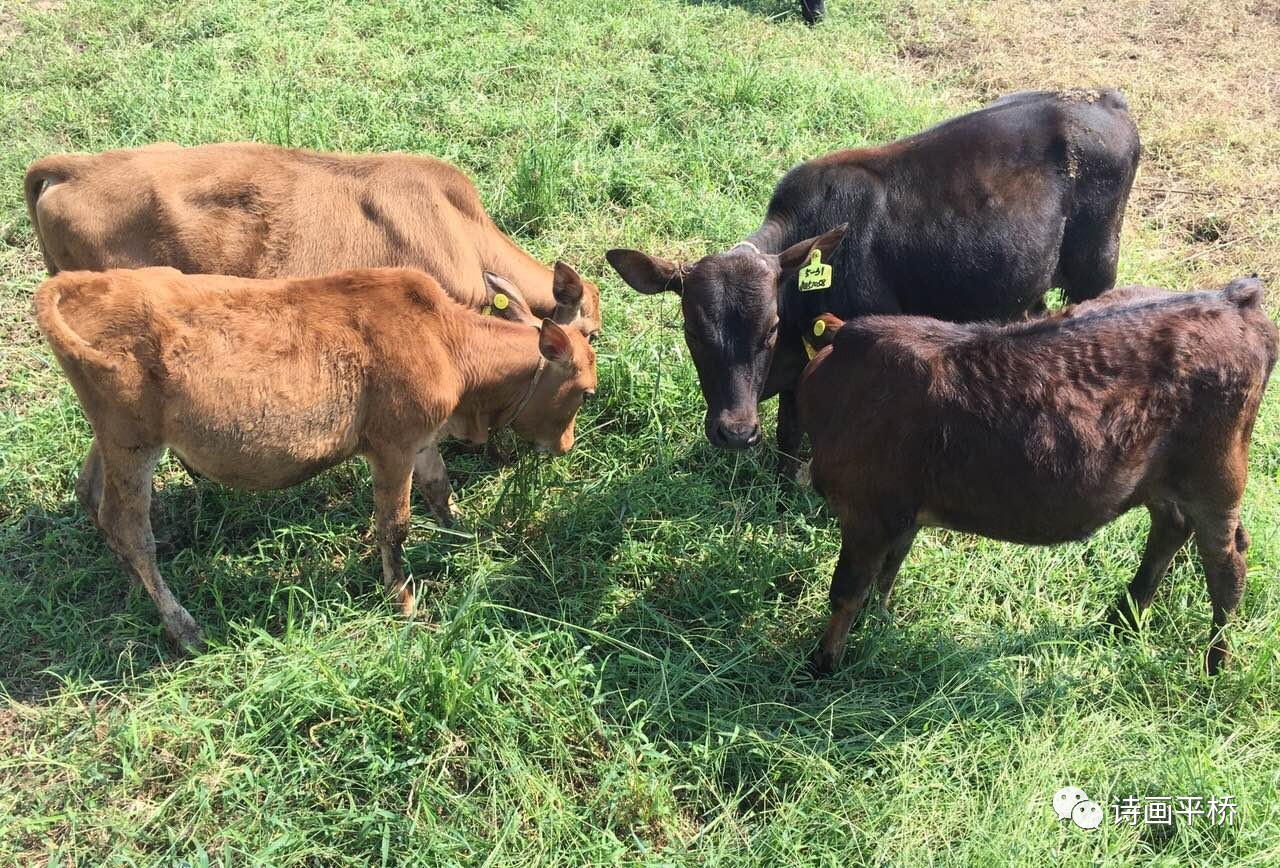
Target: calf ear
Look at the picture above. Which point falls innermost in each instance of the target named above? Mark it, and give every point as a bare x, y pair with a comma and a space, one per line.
505, 301
823, 330
798, 254
566, 286
644, 273
554, 343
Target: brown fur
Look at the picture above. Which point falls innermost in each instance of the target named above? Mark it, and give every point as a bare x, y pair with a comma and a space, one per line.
1042, 432
256, 210
263, 384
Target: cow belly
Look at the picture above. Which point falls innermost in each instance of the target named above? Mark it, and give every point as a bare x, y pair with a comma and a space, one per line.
262, 435
1037, 517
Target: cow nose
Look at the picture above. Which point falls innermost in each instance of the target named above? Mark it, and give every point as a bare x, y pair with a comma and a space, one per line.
738, 436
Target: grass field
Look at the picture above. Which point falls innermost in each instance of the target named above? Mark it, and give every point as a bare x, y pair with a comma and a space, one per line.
605, 666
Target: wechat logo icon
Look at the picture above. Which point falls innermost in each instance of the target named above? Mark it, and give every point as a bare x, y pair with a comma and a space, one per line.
1072, 802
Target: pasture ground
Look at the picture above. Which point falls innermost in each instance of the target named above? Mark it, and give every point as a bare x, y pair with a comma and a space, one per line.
605, 667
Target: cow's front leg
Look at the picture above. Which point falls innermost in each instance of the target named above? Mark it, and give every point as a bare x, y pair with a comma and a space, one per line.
862, 559
790, 439
432, 481
392, 482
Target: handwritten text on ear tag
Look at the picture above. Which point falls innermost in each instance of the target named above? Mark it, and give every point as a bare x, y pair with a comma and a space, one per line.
815, 275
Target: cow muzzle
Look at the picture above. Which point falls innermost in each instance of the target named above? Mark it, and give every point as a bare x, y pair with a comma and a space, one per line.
728, 433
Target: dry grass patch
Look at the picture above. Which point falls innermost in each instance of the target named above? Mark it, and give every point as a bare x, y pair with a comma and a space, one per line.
1203, 82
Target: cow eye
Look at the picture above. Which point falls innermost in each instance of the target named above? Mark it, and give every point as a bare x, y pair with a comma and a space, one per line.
772, 336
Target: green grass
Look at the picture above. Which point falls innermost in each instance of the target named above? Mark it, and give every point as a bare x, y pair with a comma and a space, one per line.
605, 666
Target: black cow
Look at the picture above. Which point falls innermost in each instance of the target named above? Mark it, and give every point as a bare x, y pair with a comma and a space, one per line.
813, 10
973, 219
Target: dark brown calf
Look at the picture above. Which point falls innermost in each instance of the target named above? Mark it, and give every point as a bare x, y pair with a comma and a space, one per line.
1040, 433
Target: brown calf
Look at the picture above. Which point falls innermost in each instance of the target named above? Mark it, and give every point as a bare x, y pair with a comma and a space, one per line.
1040, 433
263, 384
256, 210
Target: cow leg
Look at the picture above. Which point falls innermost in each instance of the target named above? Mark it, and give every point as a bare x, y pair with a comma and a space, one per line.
1224, 569
392, 483
1169, 532
432, 481
89, 482
898, 550
790, 438
124, 515
861, 559
813, 10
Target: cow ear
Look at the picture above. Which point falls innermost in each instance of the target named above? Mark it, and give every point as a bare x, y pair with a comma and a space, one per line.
643, 273
554, 343
822, 333
504, 301
798, 254
567, 288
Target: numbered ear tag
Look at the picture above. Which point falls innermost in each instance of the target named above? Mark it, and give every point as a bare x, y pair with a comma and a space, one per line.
815, 275
486, 310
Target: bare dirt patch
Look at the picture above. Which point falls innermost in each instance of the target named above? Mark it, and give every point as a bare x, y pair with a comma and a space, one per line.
1202, 79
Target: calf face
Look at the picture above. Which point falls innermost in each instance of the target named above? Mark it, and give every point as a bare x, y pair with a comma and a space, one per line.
547, 416
545, 412
730, 305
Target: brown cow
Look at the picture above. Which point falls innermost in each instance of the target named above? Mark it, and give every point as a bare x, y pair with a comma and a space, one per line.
263, 384
1040, 433
263, 211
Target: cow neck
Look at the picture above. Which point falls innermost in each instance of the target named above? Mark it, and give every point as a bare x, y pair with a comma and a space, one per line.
500, 366
504, 257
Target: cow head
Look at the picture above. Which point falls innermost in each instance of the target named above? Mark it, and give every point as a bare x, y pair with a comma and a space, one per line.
730, 306
567, 377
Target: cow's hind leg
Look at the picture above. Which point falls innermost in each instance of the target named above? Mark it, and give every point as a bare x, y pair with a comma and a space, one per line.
862, 556
1169, 532
1224, 567
124, 515
392, 483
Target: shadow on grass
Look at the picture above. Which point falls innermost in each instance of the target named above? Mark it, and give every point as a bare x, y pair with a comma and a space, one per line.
70, 614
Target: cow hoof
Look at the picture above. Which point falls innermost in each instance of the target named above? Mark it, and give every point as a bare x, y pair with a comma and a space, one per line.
821, 663
185, 634
813, 11
445, 516
1123, 618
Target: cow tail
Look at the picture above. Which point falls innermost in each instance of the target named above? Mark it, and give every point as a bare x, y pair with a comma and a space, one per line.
66, 342
41, 175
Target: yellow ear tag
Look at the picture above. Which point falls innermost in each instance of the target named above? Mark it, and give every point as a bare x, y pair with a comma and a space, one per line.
486, 310
809, 350
819, 327
500, 301
815, 275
